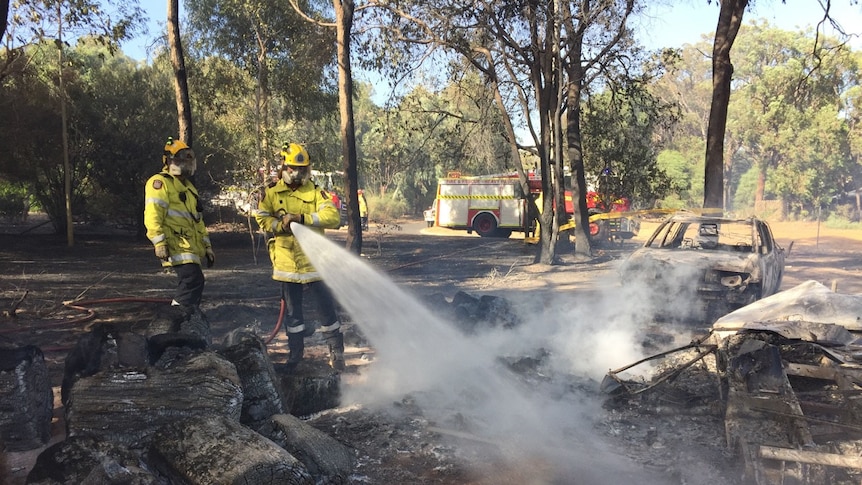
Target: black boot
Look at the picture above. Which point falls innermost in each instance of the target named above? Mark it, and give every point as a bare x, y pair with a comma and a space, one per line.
296, 345
336, 350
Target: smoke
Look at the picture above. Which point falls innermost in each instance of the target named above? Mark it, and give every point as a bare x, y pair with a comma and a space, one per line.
460, 381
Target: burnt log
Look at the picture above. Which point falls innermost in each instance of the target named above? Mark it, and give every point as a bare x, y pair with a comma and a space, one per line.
197, 324
473, 315
127, 405
328, 461
103, 347
260, 385
157, 344
86, 460
26, 399
310, 387
181, 319
214, 450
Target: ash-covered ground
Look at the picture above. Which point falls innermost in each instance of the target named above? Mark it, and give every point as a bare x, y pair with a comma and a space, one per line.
429, 397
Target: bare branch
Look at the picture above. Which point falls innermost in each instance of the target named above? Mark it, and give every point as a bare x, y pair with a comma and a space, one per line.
308, 18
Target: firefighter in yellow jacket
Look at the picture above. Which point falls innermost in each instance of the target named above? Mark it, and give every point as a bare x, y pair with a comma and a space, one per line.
295, 199
174, 220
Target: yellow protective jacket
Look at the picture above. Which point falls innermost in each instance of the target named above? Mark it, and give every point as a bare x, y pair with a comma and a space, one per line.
363, 206
173, 217
318, 212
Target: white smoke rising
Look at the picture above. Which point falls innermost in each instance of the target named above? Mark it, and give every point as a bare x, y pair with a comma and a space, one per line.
449, 374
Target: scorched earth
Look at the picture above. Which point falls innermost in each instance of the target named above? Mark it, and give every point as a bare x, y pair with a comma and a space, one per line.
434, 393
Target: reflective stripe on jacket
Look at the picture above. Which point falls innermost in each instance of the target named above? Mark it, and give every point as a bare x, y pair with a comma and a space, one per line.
172, 215
318, 212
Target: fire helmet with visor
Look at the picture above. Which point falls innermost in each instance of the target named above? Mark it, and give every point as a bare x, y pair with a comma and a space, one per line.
179, 159
294, 168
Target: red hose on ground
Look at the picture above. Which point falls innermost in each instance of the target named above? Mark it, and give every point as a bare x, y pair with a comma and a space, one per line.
277, 324
89, 314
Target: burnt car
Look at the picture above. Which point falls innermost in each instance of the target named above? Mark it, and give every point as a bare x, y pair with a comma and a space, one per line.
710, 265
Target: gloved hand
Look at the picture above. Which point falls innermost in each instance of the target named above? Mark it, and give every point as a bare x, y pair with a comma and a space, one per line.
162, 252
210, 258
287, 219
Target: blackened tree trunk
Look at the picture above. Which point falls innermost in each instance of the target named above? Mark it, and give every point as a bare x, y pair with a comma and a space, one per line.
181, 83
729, 21
4, 16
344, 10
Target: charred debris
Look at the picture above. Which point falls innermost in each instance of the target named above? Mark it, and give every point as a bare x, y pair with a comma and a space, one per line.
785, 376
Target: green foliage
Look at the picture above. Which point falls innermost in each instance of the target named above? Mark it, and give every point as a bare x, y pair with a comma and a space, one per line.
792, 122
14, 201
743, 199
680, 179
287, 56
793, 119
839, 221
387, 208
848, 213
618, 133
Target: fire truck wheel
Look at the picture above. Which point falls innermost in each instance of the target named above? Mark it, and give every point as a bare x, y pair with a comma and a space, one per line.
504, 233
485, 225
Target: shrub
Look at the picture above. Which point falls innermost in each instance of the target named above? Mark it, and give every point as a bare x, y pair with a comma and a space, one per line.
14, 202
385, 208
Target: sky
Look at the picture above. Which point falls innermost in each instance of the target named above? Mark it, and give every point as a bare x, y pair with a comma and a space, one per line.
687, 20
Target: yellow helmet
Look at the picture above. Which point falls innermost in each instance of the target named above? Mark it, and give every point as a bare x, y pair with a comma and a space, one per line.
178, 153
294, 155
173, 147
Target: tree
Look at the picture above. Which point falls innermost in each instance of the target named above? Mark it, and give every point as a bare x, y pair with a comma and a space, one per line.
73, 18
619, 128
595, 35
288, 58
181, 82
729, 21
344, 11
4, 15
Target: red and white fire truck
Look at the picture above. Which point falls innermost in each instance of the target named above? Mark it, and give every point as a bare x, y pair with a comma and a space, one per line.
491, 205
495, 206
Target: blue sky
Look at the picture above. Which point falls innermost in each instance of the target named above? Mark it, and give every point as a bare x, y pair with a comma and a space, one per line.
687, 20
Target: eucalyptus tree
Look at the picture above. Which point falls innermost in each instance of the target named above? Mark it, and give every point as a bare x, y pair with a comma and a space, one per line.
430, 132
4, 15
33, 22
620, 145
181, 79
116, 127
730, 18
120, 128
787, 111
343, 12
288, 57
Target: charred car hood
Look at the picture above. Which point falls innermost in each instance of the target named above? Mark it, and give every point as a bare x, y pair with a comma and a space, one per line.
694, 259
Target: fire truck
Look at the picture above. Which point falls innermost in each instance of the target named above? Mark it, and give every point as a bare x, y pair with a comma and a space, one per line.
491, 205
495, 206
611, 221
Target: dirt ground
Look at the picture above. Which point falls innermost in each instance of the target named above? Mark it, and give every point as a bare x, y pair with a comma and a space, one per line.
650, 441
